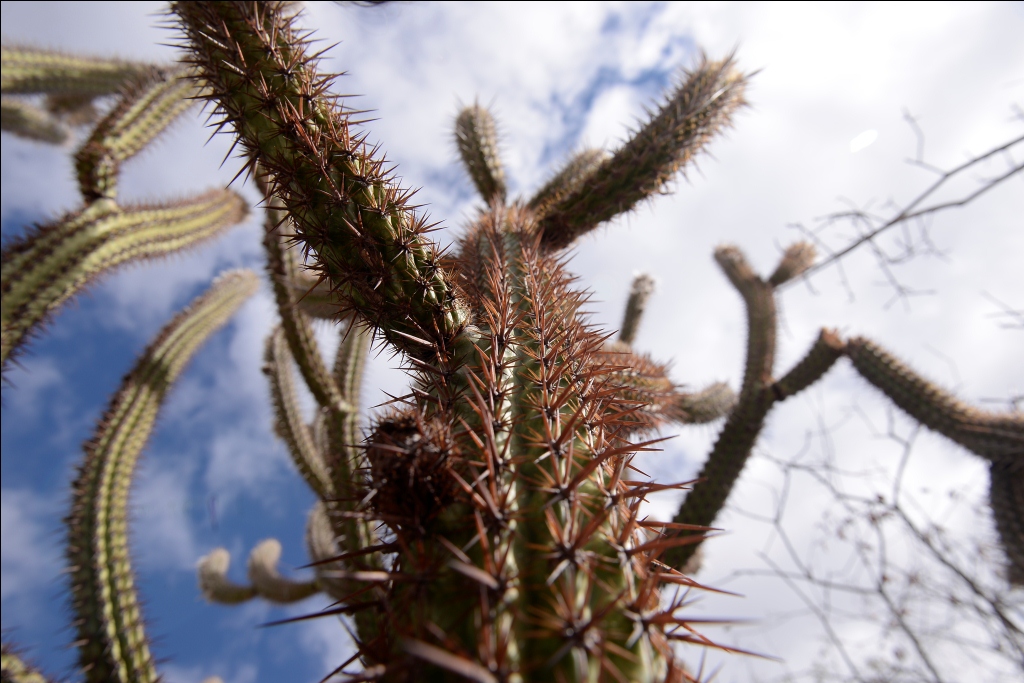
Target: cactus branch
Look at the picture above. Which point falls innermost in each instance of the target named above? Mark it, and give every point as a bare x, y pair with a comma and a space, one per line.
568, 179
212, 572
13, 669
111, 636
477, 140
265, 581
345, 205
700, 107
639, 293
142, 113
29, 71
1006, 498
53, 262
31, 122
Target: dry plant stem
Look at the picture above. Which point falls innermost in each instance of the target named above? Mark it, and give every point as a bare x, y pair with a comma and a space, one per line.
53, 262
111, 637
759, 392
701, 106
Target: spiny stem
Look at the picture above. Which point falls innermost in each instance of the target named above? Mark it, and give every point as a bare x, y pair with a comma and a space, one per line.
31, 122
112, 640
13, 669
639, 293
265, 581
27, 70
568, 179
53, 262
701, 106
477, 140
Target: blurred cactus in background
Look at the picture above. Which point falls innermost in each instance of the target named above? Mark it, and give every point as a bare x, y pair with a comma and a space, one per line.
487, 526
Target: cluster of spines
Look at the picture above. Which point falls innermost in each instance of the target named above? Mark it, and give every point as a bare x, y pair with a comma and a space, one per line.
54, 261
14, 669
111, 637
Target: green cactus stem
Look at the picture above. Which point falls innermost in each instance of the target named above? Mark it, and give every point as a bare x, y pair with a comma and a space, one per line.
345, 206
28, 121
759, 392
999, 438
27, 71
111, 637
53, 262
143, 112
701, 106
13, 669
639, 293
476, 138
711, 403
568, 179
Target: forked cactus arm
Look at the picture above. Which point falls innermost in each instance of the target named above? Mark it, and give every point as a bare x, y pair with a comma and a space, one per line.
265, 581
345, 205
26, 120
476, 137
146, 109
212, 573
28, 71
700, 107
112, 640
736, 440
13, 669
51, 263
288, 422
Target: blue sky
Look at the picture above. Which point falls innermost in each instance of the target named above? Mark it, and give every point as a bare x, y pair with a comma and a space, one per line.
557, 77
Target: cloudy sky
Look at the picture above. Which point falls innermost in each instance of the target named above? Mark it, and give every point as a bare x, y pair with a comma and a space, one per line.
826, 128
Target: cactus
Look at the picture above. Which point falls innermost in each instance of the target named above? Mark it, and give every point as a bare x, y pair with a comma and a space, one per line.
485, 526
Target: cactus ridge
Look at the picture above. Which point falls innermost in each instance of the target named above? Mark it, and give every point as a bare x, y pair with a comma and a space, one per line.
53, 262
476, 138
111, 635
28, 70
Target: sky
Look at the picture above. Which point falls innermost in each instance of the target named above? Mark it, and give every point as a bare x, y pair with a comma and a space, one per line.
826, 129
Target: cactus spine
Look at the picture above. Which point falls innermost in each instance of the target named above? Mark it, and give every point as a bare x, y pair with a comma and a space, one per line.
108, 619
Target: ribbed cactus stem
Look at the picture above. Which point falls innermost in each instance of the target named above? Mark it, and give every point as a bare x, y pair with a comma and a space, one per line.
143, 112
26, 120
570, 178
112, 640
476, 137
13, 669
53, 262
999, 438
701, 106
27, 70
735, 442
288, 423
345, 205
1006, 498
639, 293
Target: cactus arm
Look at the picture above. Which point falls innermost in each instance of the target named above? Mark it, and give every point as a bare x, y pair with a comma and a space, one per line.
265, 581
27, 71
759, 392
477, 140
13, 669
31, 122
639, 293
145, 110
1006, 498
997, 438
113, 644
313, 296
711, 403
212, 573
283, 270
345, 206
700, 107
288, 418
55, 261
567, 180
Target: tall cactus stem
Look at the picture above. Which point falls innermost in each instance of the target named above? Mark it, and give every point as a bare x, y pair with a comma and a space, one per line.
112, 640
476, 137
53, 262
701, 106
